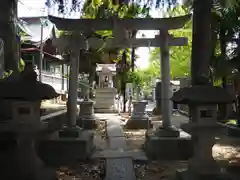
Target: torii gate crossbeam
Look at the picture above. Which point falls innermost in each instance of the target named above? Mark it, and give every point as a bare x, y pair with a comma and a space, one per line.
84, 25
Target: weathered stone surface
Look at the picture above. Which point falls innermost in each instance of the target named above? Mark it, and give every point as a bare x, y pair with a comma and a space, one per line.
86, 118
54, 121
114, 129
139, 124
203, 95
117, 142
202, 102
135, 154
167, 132
26, 87
55, 150
120, 169
139, 118
168, 148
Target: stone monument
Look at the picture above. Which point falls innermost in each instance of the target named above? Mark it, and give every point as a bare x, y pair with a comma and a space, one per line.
139, 118
202, 102
25, 94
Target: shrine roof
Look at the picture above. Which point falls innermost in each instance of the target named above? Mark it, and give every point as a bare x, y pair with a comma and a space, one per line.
48, 55
31, 26
110, 67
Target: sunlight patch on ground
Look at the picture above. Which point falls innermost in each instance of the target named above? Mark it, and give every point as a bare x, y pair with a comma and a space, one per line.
226, 152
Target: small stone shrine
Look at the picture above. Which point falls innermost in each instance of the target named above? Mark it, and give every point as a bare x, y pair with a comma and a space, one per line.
139, 118
25, 94
86, 119
202, 102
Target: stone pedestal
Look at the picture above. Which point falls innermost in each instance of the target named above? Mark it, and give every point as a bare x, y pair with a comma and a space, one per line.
87, 119
167, 147
139, 118
57, 151
202, 165
26, 116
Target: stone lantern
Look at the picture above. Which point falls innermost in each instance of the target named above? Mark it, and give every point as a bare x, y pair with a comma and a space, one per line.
202, 102
25, 94
86, 118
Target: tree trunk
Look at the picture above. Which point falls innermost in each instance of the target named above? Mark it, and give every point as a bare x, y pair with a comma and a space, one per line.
223, 46
201, 40
133, 59
134, 33
123, 82
8, 32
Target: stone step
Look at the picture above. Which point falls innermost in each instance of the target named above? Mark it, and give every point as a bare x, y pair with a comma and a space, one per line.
104, 104
135, 154
114, 90
120, 169
104, 99
106, 92
104, 110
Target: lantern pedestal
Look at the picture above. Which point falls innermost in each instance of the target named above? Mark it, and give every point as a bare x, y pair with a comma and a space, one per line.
86, 118
139, 118
202, 102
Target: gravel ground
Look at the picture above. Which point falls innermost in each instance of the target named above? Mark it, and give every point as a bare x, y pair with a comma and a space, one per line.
94, 170
164, 170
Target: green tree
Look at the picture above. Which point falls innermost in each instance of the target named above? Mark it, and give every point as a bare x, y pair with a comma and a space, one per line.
179, 55
8, 33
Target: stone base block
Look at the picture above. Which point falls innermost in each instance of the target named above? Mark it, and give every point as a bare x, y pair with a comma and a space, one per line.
72, 132
168, 148
139, 124
88, 123
55, 150
167, 132
188, 175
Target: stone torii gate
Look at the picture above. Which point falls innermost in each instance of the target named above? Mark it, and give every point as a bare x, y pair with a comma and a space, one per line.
120, 28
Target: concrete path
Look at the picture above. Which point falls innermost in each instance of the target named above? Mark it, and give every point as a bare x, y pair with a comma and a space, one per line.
117, 168
119, 160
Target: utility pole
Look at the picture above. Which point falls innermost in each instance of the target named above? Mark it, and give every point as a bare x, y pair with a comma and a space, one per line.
41, 52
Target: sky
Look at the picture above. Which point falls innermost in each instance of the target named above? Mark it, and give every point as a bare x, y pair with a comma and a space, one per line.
26, 8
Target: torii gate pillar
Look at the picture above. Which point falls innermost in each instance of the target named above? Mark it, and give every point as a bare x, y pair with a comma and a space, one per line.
166, 91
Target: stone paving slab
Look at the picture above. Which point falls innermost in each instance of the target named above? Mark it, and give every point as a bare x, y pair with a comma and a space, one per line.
114, 130
117, 168
120, 169
135, 154
117, 143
